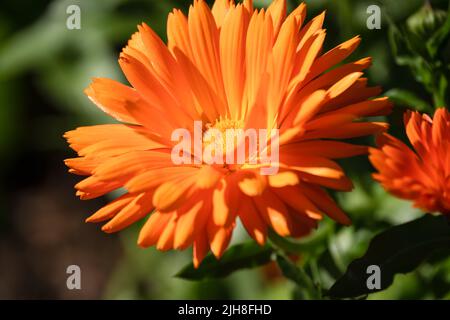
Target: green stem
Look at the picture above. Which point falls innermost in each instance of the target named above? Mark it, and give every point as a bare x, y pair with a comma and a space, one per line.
310, 245
316, 275
437, 93
294, 272
438, 99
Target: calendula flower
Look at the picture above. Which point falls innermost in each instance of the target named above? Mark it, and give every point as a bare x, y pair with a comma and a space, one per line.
421, 174
232, 67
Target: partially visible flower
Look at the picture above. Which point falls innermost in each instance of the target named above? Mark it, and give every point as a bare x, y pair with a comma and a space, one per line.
232, 67
421, 174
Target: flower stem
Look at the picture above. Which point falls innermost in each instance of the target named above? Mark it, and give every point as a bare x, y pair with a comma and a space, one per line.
294, 272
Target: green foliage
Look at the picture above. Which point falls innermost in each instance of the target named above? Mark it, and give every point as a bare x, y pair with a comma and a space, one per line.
299, 277
408, 99
421, 45
399, 249
246, 255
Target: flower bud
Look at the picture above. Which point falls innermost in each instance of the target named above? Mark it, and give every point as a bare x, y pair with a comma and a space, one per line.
426, 21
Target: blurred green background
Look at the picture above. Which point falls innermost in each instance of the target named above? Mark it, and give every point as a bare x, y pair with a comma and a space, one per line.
44, 68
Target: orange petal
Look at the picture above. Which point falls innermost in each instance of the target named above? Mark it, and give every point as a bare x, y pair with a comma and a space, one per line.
232, 39
153, 228
331, 77
342, 183
309, 107
155, 94
274, 212
334, 56
324, 202
132, 164
311, 28
258, 49
248, 4
349, 130
82, 166
283, 179
167, 70
222, 216
111, 209
356, 93
329, 120
189, 220
376, 107
165, 241
171, 194
92, 187
219, 10
299, 14
313, 165
219, 238
137, 209
281, 65
324, 148
110, 97
201, 248
306, 57
204, 39
342, 85
155, 177
108, 140
298, 201
207, 177
253, 186
252, 221
277, 10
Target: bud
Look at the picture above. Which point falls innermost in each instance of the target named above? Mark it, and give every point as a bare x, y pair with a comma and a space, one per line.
426, 21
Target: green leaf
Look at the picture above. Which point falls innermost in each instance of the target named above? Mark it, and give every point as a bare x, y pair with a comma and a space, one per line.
299, 277
442, 91
407, 99
399, 45
400, 249
311, 244
440, 37
241, 256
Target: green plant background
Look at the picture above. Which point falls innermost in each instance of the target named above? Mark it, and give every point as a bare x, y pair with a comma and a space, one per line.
44, 68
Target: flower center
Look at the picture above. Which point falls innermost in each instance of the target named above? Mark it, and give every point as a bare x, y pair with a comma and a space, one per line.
222, 124
222, 137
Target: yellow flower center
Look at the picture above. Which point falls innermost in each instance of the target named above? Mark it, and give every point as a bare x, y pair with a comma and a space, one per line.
222, 135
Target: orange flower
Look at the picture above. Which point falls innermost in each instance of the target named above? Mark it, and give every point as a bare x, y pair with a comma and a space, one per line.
423, 174
229, 67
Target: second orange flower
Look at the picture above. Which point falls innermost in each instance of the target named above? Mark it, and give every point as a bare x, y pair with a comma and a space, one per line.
420, 174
